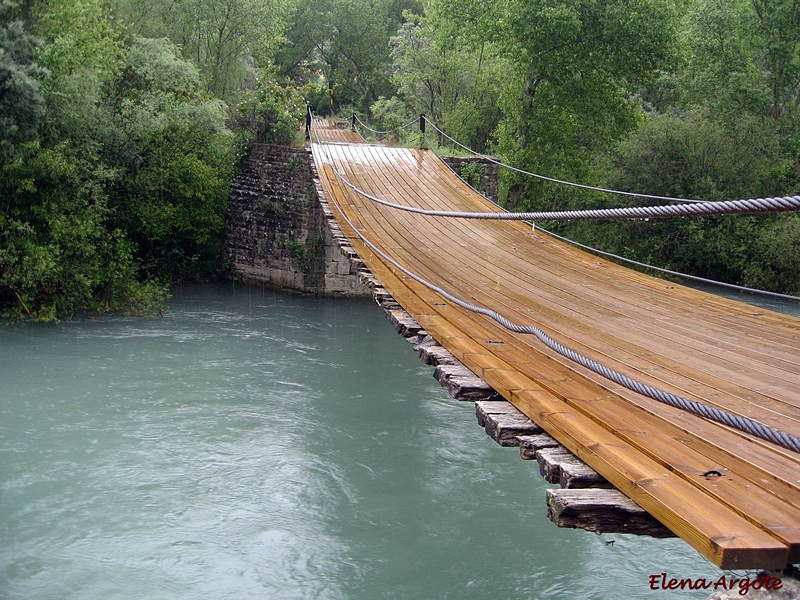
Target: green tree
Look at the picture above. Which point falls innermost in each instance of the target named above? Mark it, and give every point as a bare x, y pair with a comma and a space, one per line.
699, 157
451, 79
58, 251
228, 40
270, 112
574, 68
778, 25
347, 42
176, 156
21, 103
57, 254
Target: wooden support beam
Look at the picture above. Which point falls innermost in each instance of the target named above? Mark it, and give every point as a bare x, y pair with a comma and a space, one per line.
431, 353
601, 511
504, 423
403, 323
559, 465
462, 383
708, 349
530, 444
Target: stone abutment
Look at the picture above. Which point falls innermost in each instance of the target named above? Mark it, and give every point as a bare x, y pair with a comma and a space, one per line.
279, 231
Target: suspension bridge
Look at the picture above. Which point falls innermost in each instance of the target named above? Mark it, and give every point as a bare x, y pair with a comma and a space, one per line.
688, 403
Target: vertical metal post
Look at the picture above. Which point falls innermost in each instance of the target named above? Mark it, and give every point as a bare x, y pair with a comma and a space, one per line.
353, 124
308, 120
422, 129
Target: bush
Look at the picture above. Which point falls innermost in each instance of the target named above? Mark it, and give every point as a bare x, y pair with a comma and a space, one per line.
270, 112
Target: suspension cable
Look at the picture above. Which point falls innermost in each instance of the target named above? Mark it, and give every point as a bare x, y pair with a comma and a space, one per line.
725, 207
744, 424
523, 217
368, 128
733, 286
630, 261
561, 181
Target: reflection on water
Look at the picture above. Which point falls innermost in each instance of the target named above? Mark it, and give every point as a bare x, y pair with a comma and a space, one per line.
256, 445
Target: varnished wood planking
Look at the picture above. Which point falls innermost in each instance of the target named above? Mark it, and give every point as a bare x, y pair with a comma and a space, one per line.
748, 405
398, 231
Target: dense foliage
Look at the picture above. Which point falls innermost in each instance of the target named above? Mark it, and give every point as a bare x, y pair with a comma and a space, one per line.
116, 151
121, 122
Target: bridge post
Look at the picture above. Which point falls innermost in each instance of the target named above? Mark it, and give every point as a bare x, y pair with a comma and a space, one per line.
422, 129
353, 122
308, 120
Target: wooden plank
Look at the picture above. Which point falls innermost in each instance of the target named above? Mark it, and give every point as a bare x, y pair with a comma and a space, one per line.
463, 384
431, 353
559, 465
714, 530
601, 511
530, 444
403, 323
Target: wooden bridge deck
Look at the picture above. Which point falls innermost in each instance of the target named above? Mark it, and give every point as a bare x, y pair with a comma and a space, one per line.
697, 345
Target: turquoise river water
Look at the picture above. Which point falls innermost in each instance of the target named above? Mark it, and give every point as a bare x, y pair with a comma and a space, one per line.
255, 445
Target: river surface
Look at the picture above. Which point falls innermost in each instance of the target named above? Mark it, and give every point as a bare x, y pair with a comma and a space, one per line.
251, 444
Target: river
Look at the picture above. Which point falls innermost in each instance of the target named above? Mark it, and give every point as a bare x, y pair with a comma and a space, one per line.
253, 444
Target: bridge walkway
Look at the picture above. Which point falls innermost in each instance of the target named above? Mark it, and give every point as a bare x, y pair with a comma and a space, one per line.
733, 497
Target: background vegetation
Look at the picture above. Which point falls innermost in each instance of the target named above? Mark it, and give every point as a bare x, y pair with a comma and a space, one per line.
122, 122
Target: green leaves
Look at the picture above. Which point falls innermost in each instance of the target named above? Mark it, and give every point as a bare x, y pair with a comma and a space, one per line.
227, 40
55, 247
131, 170
178, 161
21, 103
344, 45
270, 112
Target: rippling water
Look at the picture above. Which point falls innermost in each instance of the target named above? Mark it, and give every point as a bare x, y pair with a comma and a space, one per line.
251, 444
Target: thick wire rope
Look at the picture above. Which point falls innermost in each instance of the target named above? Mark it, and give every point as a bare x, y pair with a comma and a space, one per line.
611, 255
368, 128
561, 181
744, 424
733, 286
725, 207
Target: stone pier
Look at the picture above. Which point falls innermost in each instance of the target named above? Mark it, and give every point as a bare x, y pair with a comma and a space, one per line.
277, 231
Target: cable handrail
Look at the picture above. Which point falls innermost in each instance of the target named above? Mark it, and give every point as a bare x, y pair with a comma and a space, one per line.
561, 181
725, 207
365, 126
733, 286
740, 288
527, 217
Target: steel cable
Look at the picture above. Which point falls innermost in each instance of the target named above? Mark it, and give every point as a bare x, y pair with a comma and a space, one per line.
561, 181
733, 286
725, 207
368, 128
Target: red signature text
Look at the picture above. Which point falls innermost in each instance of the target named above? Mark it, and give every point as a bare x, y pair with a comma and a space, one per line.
742, 584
